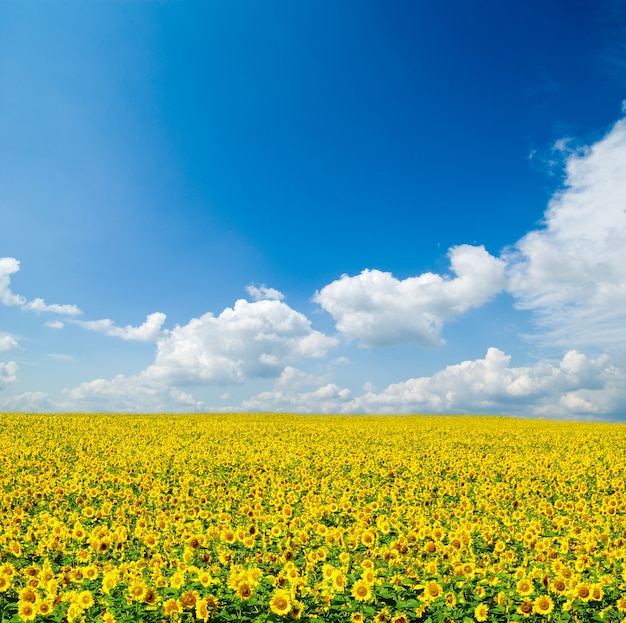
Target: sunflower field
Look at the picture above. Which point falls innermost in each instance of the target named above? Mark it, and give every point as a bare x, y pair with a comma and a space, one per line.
274, 517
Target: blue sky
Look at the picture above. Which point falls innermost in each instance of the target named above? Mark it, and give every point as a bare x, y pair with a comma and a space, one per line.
313, 206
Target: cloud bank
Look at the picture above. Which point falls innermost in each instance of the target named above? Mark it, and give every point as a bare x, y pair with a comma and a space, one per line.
575, 387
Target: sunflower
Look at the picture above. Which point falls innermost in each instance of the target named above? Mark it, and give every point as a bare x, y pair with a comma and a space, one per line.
432, 591
280, 603
543, 605
137, 590
524, 587
211, 603
150, 597
188, 599
525, 608
383, 616
109, 582
108, 617
26, 611
481, 612
361, 590
400, 618
202, 610
450, 600
204, 578
28, 595
368, 538
228, 536
5, 583
338, 581
74, 612
172, 607
357, 617
297, 608
596, 592
44, 608
245, 591
327, 571
85, 600
430, 547
583, 592
480, 591
91, 572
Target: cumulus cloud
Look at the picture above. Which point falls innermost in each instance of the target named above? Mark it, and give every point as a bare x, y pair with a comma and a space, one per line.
54, 324
292, 378
131, 394
148, 331
248, 340
31, 402
8, 374
7, 343
264, 293
8, 266
577, 386
572, 272
492, 385
378, 309
325, 399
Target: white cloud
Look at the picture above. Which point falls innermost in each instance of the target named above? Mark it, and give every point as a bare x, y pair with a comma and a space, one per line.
7, 343
264, 293
492, 385
28, 402
54, 324
8, 266
572, 272
131, 394
378, 309
575, 387
39, 305
325, 399
291, 379
248, 340
148, 331
8, 374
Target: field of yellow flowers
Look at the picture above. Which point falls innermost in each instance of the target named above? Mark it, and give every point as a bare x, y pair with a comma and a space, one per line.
265, 517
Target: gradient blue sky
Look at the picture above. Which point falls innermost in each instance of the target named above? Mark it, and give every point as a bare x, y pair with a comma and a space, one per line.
313, 206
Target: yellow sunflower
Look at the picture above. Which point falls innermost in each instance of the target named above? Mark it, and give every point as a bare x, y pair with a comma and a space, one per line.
280, 603
361, 590
524, 587
26, 611
432, 590
543, 605
481, 612
525, 608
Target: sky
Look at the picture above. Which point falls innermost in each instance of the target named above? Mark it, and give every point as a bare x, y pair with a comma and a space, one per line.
313, 206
